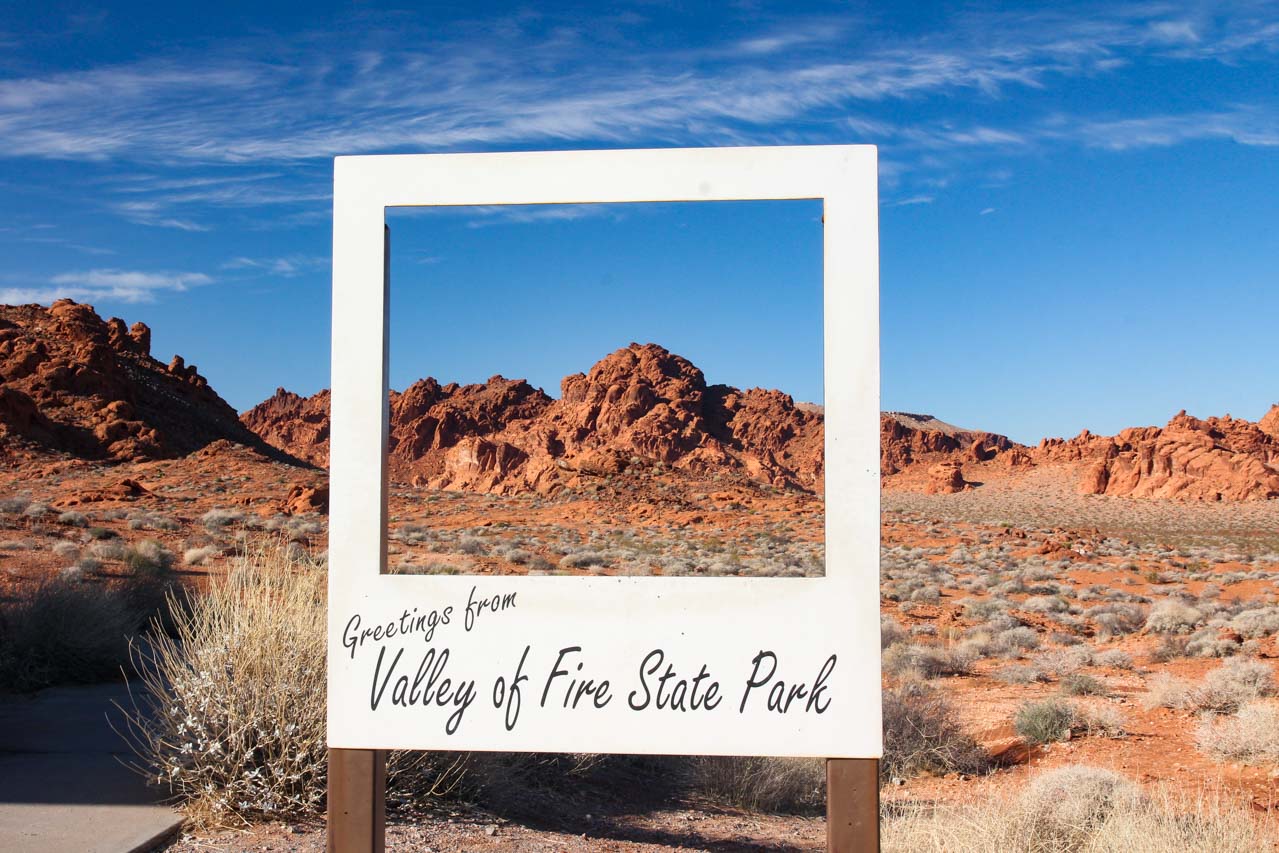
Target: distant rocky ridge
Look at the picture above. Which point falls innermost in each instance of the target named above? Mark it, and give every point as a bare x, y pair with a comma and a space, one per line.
1191, 459
643, 405
639, 406
73, 383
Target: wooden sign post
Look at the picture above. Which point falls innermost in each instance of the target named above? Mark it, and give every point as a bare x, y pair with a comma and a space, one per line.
784, 666
357, 801
852, 805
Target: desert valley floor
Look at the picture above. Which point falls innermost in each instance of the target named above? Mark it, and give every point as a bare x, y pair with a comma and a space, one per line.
1001, 595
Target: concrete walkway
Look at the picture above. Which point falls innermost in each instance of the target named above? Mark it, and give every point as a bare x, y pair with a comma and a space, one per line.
62, 786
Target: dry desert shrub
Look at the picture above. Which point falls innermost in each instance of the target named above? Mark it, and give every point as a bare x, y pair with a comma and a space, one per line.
1099, 721
148, 558
891, 632
1208, 643
1063, 662
1077, 810
216, 519
1250, 735
1079, 684
231, 711
65, 632
73, 519
1234, 684
761, 783
1117, 619
1020, 674
233, 721
1256, 623
921, 735
199, 556
1224, 689
928, 661
1167, 691
1171, 616
1113, 658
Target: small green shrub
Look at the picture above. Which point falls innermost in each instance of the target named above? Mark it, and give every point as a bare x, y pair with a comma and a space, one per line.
1079, 684
1045, 721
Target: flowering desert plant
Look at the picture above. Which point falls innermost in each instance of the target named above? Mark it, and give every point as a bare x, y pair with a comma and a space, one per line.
231, 711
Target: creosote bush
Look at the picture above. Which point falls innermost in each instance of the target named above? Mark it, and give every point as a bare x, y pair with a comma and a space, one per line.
1045, 721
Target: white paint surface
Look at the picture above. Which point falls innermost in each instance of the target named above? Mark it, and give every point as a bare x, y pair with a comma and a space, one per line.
720, 623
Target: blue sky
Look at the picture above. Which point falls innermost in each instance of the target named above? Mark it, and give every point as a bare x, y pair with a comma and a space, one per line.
1079, 223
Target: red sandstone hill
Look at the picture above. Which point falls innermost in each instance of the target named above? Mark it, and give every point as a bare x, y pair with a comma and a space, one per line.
73, 383
1192, 459
1189, 459
639, 406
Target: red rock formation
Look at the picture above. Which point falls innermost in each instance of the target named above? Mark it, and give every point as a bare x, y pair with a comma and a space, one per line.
304, 498
906, 438
640, 405
298, 425
644, 407
946, 478
72, 383
1190, 459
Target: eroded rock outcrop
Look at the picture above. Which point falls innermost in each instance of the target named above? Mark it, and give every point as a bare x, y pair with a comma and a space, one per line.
906, 439
299, 425
1190, 459
73, 383
639, 406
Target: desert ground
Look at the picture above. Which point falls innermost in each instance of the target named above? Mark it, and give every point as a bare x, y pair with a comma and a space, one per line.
1092, 622
1118, 610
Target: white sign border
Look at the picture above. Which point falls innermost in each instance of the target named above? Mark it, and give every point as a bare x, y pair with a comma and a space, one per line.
838, 611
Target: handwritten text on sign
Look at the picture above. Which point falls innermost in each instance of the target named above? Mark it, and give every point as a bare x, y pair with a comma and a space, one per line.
562, 678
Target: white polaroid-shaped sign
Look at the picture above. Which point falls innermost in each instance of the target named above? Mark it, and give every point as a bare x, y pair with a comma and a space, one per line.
675, 665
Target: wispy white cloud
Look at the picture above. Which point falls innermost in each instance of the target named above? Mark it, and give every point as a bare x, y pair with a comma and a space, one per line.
309, 100
154, 213
287, 267
249, 125
105, 285
1245, 126
494, 215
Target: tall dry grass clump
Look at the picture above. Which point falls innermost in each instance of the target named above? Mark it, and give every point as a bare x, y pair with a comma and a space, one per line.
761, 783
1078, 810
231, 714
